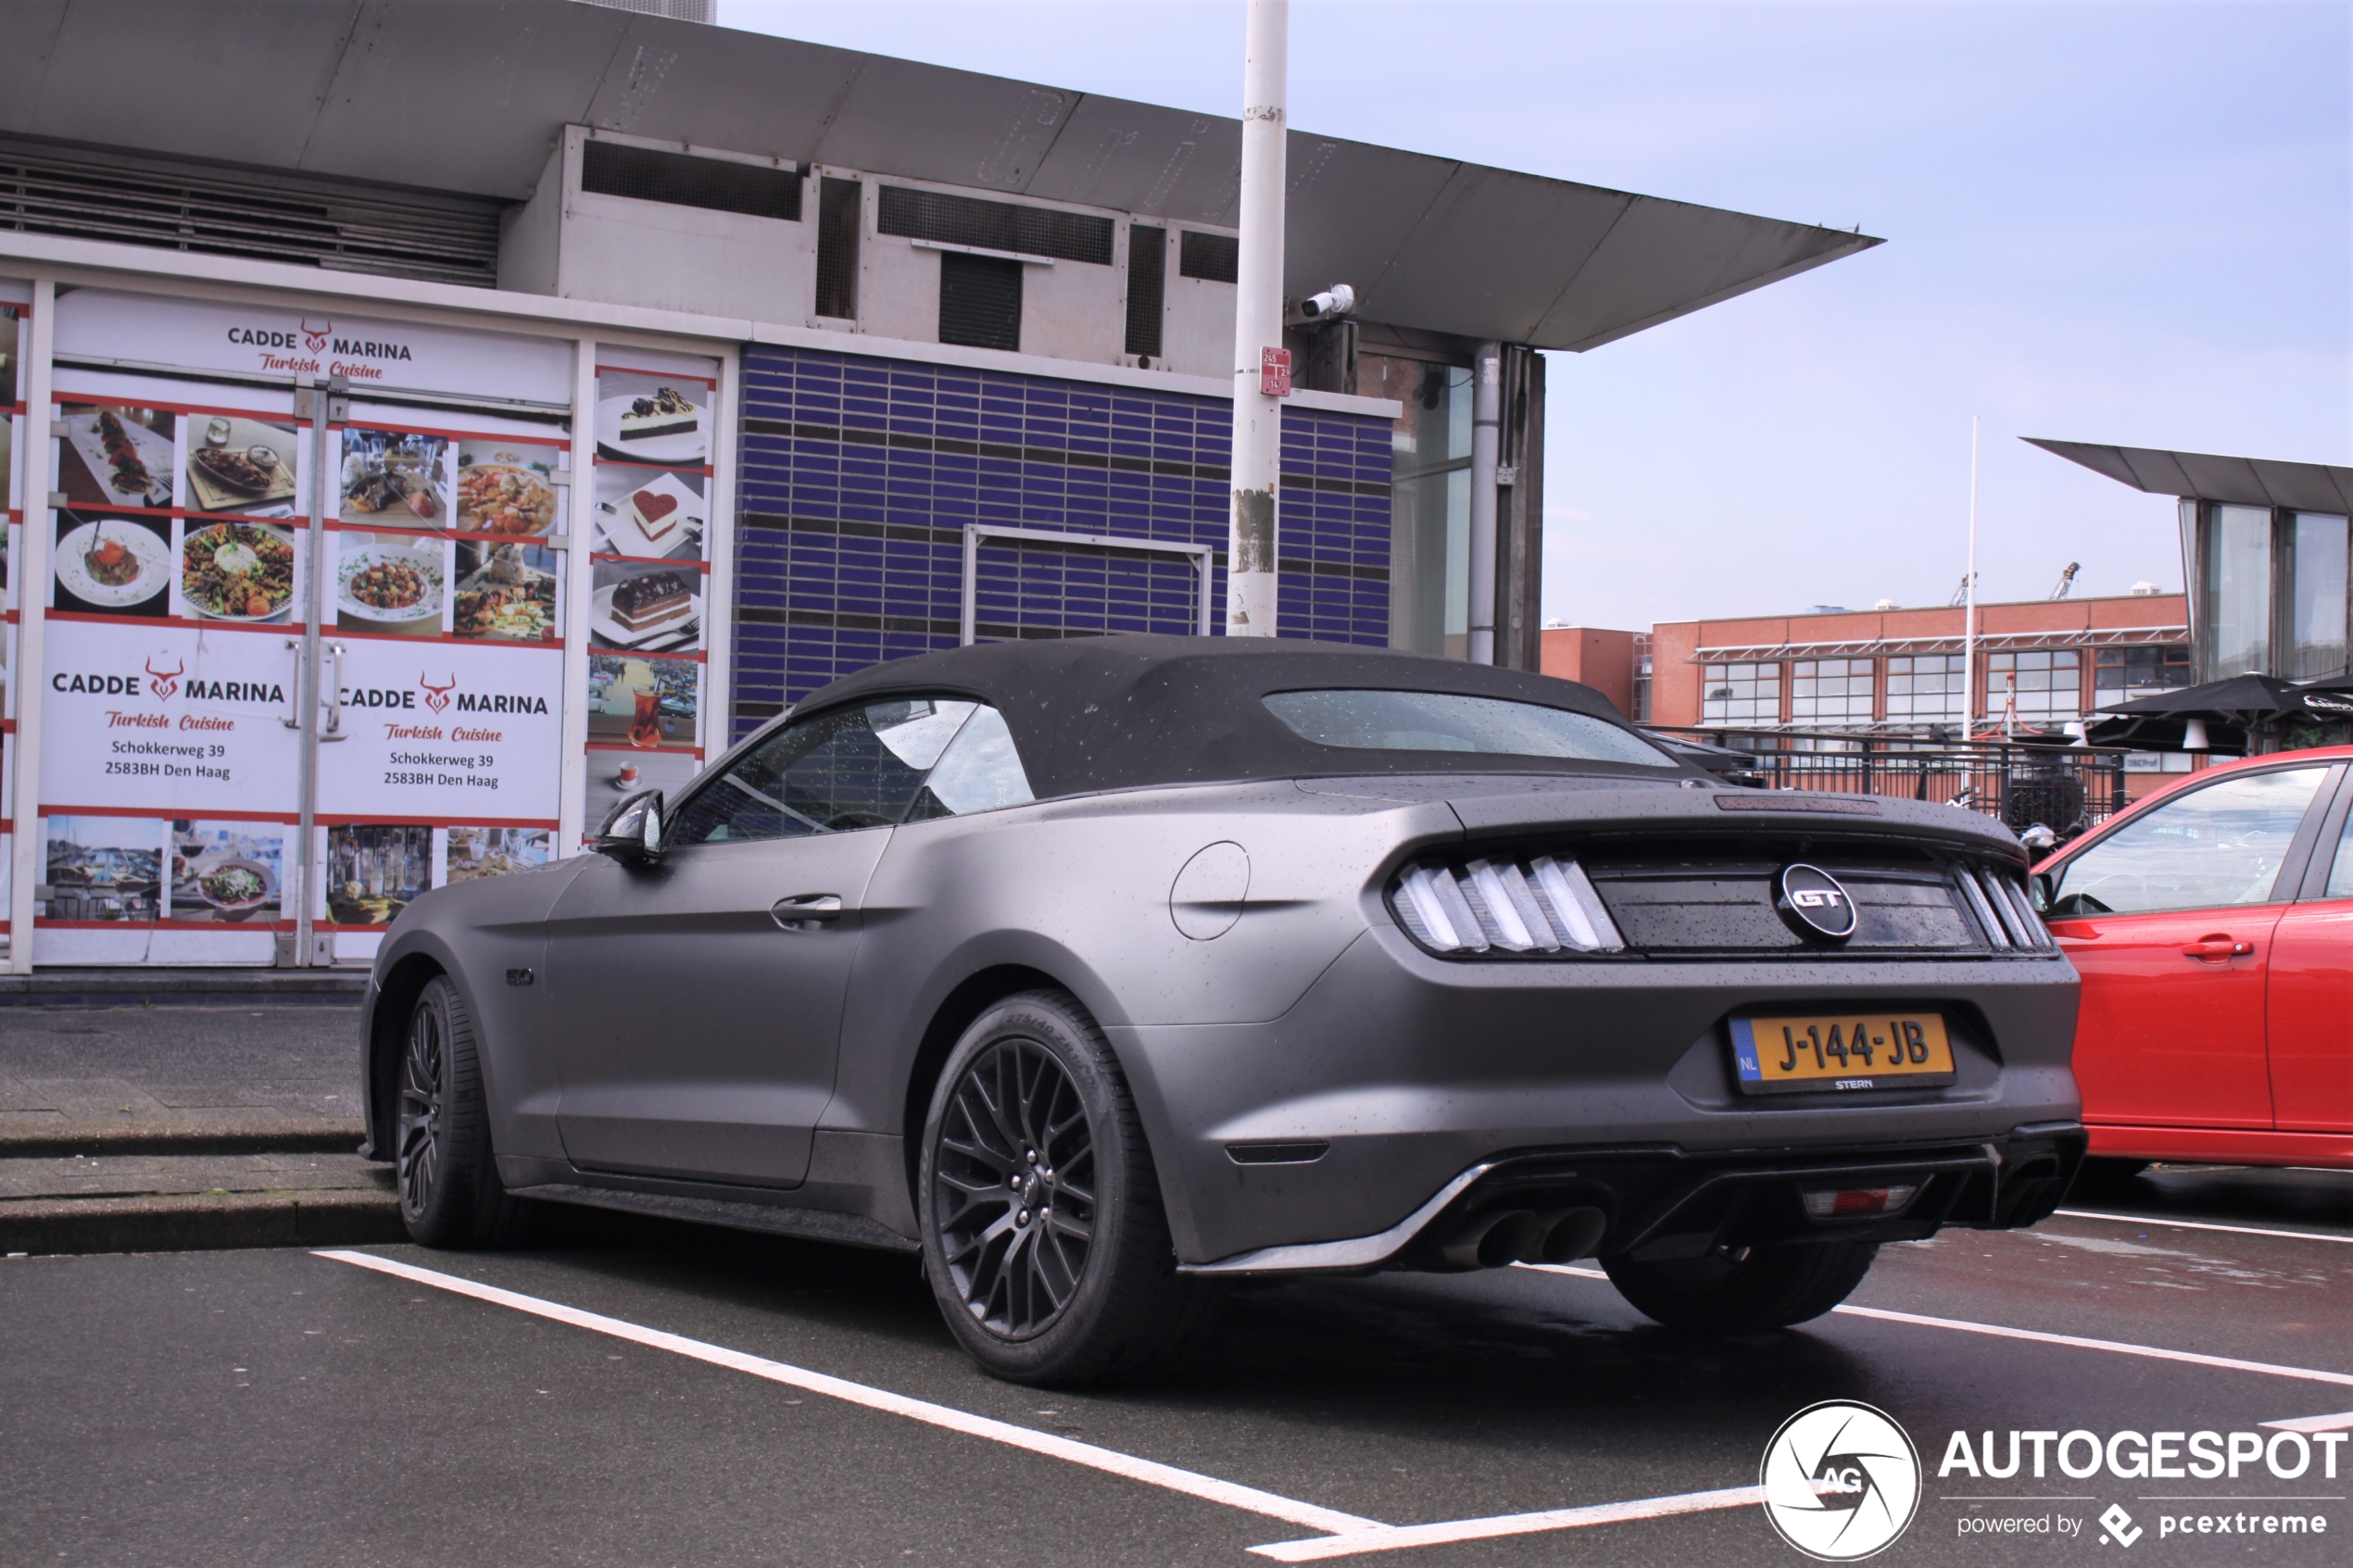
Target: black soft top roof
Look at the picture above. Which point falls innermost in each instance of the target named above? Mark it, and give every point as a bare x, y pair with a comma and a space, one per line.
1113, 712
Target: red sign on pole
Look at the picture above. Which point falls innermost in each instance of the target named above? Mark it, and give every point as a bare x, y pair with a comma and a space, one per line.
1274, 372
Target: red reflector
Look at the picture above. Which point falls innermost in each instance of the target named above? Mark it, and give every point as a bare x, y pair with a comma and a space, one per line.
1851, 1203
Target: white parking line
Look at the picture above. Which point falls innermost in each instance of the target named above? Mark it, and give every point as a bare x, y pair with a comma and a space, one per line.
1248, 1498
1397, 1537
2073, 1342
2201, 1225
2314, 1423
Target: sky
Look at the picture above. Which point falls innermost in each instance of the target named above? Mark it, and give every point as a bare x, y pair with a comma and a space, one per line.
2124, 222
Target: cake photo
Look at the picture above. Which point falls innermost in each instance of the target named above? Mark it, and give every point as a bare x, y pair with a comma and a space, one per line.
655, 513
656, 599
667, 412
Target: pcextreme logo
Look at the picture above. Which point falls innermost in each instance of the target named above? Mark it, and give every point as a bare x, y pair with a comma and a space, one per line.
1841, 1481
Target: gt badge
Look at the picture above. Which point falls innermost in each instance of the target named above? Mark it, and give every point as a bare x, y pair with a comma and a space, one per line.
1811, 903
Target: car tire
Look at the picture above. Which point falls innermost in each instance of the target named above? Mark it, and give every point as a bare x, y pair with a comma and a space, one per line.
1763, 1288
1032, 1115
450, 1194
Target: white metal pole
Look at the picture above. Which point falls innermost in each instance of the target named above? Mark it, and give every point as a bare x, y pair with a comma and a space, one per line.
1258, 327
1968, 601
1487, 415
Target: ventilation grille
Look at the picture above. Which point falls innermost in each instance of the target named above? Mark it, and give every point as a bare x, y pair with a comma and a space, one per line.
1216, 258
979, 301
1146, 288
837, 224
968, 221
150, 202
648, 174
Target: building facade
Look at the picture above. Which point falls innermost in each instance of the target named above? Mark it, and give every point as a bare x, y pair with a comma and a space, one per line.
2041, 665
399, 475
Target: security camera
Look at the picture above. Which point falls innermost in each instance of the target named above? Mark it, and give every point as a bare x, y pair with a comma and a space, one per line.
1337, 300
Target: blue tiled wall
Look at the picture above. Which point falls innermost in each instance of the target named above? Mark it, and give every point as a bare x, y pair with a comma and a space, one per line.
858, 475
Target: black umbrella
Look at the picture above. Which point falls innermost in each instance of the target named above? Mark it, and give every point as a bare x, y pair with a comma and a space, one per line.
2332, 698
2232, 707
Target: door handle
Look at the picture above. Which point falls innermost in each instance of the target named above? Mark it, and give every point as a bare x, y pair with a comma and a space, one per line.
806, 912
2217, 947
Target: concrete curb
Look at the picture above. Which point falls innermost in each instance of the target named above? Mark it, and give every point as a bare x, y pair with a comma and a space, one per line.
185, 987
200, 1222
287, 1134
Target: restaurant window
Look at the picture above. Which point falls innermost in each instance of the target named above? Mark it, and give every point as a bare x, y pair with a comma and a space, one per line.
2235, 576
1924, 689
1741, 693
1831, 691
2315, 594
2123, 674
2049, 683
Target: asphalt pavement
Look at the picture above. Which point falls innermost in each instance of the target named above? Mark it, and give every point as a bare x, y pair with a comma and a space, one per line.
635, 1392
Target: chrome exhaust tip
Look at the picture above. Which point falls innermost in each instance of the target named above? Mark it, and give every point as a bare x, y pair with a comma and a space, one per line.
1492, 1239
1568, 1235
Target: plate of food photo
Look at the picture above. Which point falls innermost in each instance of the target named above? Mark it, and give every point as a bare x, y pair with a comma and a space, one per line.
113, 564
237, 571
132, 463
506, 498
657, 518
386, 582
657, 609
506, 599
235, 887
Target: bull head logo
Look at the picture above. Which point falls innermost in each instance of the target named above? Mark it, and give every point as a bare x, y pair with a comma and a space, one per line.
437, 698
166, 682
315, 338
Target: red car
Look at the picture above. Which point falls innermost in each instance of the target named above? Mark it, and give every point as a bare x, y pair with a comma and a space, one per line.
2212, 924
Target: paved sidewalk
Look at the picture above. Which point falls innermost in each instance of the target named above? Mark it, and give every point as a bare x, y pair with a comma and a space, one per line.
215, 1121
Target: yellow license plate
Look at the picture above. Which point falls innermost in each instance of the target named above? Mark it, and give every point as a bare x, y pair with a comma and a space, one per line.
1830, 1052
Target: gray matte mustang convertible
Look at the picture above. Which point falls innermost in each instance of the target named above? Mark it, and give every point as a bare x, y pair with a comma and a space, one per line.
1100, 971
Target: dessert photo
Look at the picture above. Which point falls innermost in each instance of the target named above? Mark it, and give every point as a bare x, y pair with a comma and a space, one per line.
646, 608
656, 515
654, 420
113, 565
115, 456
238, 463
395, 479
506, 591
508, 489
236, 572
225, 873
388, 583
644, 703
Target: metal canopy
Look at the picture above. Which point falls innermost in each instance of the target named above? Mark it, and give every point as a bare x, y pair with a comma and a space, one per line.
2247, 481
1992, 642
468, 96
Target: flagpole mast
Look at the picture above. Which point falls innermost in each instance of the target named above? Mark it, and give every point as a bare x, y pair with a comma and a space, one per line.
1968, 601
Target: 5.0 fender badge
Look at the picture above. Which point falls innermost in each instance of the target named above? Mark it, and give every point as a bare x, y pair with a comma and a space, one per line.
1811, 903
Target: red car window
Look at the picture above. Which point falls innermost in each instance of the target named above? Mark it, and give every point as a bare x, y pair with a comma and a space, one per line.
2207, 849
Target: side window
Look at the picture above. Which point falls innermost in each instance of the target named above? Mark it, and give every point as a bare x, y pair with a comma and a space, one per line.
847, 769
980, 772
2210, 848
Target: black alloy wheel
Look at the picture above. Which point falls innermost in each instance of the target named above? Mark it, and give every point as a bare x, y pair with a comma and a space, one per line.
1013, 1188
1043, 1235
443, 1167
418, 1150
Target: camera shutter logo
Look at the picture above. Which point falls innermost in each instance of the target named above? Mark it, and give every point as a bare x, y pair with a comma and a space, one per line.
1812, 903
1841, 1481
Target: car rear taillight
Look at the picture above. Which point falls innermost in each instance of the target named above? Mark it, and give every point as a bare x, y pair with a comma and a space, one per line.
1539, 906
2003, 909
1859, 1203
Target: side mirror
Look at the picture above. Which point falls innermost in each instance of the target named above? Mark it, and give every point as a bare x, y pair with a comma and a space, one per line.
2042, 891
633, 833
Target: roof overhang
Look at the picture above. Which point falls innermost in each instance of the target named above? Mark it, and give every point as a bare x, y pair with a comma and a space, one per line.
2246, 482
1996, 642
468, 96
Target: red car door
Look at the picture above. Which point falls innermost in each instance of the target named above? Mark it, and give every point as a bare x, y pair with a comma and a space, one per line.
2310, 1004
2168, 917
